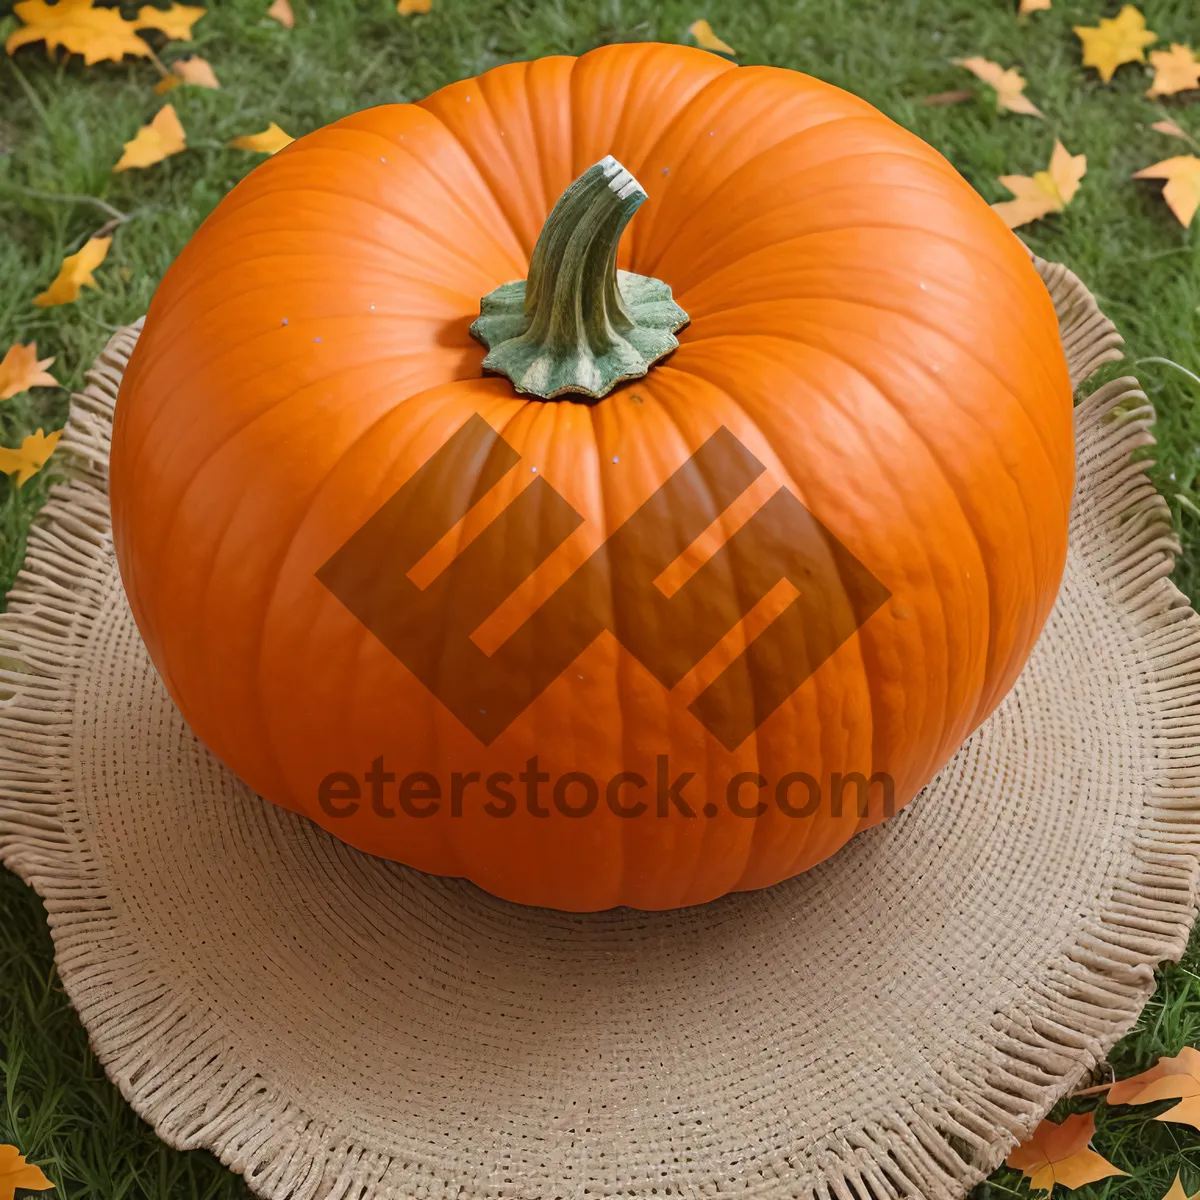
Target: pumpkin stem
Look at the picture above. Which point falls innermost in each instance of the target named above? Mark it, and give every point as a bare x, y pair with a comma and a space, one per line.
577, 324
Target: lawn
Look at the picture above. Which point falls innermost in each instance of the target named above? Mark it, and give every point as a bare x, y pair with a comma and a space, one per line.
62, 126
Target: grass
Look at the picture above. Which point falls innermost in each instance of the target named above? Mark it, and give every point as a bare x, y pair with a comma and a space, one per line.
61, 129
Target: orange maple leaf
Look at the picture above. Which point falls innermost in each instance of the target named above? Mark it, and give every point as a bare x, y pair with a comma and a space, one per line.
407, 7
1116, 40
270, 141
15, 1173
75, 273
1175, 1078
1182, 195
21, 370
1061, 1154
1028, 6
176, 22
702, 31
1044, 192
152, 143
1009, 85
79, 28
281, 11
194, 70
1175, 70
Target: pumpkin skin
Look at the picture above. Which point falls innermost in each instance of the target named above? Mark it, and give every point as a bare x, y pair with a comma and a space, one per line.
860, 321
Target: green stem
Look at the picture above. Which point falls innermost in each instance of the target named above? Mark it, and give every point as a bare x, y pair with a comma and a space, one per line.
578, 325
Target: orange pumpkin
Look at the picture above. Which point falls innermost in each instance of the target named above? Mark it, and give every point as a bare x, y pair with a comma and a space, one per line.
618, 632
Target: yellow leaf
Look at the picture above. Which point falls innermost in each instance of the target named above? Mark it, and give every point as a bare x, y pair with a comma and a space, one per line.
176, 22
96, 33
33, 455
1176, 1191
405, 7
194, 70
1175, 70
1182, 194
152, 143
75, 272
1009, 85
270, 141
1116, 40
1174, 129
1061, 1154
1175, 1078
1028, 6
281, 11
20, 370
702, 31
1044, 192
15, 1172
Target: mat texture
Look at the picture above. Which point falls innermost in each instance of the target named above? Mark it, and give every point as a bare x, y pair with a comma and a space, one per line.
888, 1024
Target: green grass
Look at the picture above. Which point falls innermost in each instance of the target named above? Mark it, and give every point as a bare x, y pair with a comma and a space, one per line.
61, 129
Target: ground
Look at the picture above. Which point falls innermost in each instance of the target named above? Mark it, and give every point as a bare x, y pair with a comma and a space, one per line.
61, 129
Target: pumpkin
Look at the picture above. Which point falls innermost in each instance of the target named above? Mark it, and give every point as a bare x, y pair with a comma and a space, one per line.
614, 480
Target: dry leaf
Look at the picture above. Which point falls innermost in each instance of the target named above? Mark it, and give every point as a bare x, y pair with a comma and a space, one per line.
33, 455
1116, 40
1174, 129
1176, 1191
75, 273
20, 370
270, 141
1045, 192
1009, 85
152, 143
1175, 1078
176, 22
194, 70
405, 7
1028, 6
1175, 70
957, 96
1182, 194
1061, 1154
281, 11
702, 31
15, 1172
96, 33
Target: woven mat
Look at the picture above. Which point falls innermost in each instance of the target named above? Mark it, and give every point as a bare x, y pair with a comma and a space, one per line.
888, 1024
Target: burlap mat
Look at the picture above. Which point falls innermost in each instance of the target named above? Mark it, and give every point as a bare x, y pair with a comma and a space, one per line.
888, 1024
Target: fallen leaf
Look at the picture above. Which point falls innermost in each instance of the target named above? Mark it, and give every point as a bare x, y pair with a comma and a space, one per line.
957, 96
405, 7
1045, 192
1009, 85
96, 33
702, 31
75, 273
33, 455
1176, 1191
1116, 40
20, 370
281, 11
176, 22
1174, 129
1061, 1154
152, 143
1182, 194
270, 141
15, 1172
1175, 70
194, 70
1028, 6
1175, 1078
